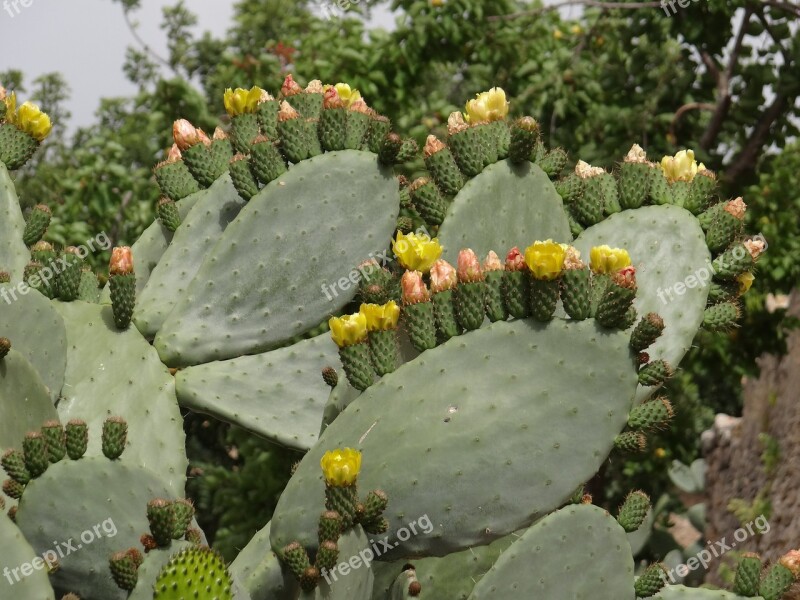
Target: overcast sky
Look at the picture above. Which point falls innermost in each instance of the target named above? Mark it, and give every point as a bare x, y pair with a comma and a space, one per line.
86, 41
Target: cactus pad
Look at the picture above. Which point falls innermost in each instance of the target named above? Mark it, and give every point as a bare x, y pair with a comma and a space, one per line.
24, 401
576, 552
506, 205
213, 210
17, 552
259, 570
293, 248
679, 592
278, 395
113, 498
194, 573
13, 253
553, 429
667, 247
118, 373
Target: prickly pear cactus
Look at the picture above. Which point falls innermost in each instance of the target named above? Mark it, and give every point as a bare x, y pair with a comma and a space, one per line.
513, 322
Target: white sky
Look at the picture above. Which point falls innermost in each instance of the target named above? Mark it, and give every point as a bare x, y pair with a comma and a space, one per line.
85, 40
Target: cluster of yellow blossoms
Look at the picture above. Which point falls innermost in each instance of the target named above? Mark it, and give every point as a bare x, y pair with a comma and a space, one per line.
352, 329
28, 118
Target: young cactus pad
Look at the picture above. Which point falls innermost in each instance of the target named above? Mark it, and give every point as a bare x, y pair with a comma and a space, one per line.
24, 400
567, 421
311, 226
17, 551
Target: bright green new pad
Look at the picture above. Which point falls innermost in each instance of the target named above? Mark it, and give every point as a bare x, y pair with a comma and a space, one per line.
279, 395
679, 592
527, 410
351, 579
14, 255
98, 505
268, 277
154, 561
213, 210
577, 553
37, 331
152, 244
24, 401
117, 373
258, 569
453, 576
668, 248
30, 581
506, 205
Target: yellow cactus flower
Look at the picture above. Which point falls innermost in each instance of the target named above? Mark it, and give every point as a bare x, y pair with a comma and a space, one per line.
341, 466
347, 94
381, 317
348, 330
545, 259
487, 107
33, 121
241, 101
557, 34
607, 260
416, 252
681, 167
576, 29
745, 280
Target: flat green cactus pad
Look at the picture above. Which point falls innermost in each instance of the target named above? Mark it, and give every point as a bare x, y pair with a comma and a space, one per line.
577, 553
351, 582
401, 587
453, 576
340, 398
14, 255
504, 206
24, 400
279, 395
679, 592
24, 573
260, 572
37, 331
667, 247
117, 373
264, 282
200, 229
151, 245
96, 505
519, 406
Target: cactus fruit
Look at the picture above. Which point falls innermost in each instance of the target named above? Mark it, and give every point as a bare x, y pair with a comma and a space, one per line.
125, 568
34, 448
654, 373
55, 439
122, 283
14, 464
38, 222
776, 582
77, 438
330, 376
173, 176
654, 414
168, 213
651, 581
721, 317
161, 517
748, 575
633, 511
115, 436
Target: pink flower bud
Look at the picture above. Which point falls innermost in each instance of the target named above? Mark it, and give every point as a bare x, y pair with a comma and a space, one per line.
121, 261
791, 560
185, 134
201, 135
515, 261
287, 112
433, 145
755, 247
736, 208
626, 277
331, 99
492, 262
361, 107
315, 87
443, 276
174, 154
290, 87
469, 267
219, 134
413, 288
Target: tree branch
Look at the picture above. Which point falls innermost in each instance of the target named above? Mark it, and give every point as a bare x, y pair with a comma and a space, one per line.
723, 86
684, 109
142, 43
746, 160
